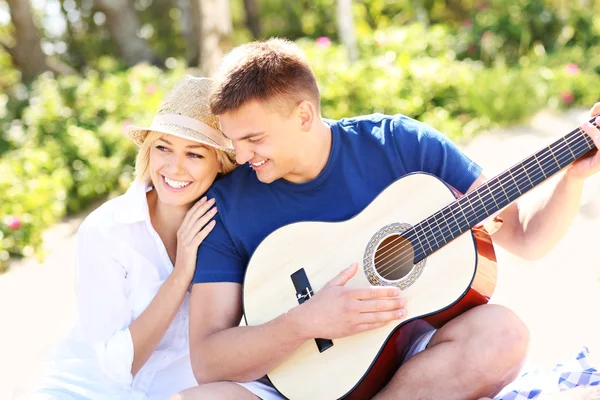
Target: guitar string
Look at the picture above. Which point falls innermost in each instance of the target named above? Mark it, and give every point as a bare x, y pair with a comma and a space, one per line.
389, 265
442, 230
561, 150
491, 188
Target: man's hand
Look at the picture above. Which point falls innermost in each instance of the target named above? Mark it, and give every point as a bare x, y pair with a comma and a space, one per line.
588, 166
337, 311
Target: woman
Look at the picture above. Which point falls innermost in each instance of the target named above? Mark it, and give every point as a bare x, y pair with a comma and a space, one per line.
136, 260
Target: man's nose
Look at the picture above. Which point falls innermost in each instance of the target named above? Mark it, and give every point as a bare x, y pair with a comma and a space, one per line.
242, 154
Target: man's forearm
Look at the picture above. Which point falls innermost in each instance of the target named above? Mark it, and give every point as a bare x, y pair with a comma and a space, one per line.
245, 353
543, 224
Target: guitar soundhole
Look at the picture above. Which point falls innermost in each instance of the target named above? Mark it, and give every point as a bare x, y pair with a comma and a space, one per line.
394, 258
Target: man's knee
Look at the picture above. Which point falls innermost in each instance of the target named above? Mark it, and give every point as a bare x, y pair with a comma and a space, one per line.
508, 335
493, 339
500, 342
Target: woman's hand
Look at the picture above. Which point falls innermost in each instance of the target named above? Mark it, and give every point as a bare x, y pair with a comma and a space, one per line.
196, 225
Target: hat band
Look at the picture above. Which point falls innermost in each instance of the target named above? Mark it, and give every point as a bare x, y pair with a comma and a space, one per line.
192, 124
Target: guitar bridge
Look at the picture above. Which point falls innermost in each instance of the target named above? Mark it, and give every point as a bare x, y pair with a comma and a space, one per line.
303, 293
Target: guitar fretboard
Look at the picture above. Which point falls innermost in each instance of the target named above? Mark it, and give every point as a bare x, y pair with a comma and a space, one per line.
458, 217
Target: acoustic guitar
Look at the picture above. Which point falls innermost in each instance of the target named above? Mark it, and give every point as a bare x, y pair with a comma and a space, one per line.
416, 235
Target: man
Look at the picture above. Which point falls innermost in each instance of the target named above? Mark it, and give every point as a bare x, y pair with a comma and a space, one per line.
302, 167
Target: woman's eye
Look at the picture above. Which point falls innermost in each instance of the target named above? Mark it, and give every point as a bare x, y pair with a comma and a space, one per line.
259, 140
162, 148
194, 155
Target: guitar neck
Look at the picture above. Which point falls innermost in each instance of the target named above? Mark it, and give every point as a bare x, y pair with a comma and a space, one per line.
463, 214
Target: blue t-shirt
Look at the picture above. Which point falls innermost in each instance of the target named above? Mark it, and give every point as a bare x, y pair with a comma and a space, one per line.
368, 153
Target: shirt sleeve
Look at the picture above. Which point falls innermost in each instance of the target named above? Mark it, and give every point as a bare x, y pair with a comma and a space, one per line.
424, 149
104, 311
218, 259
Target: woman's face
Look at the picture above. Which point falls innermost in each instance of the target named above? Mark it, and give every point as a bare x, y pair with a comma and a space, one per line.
182, 170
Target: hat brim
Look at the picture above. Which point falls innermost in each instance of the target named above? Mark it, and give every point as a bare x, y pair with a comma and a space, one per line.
138, 134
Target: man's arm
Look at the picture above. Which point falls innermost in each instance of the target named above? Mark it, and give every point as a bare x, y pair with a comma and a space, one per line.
531, 229
221, 350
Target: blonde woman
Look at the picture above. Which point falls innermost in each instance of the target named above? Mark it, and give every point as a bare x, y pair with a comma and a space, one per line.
136, 261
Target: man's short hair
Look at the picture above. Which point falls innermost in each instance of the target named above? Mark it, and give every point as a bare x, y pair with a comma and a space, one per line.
275, 71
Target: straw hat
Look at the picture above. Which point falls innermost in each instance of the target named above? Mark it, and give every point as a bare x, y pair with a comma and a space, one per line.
185, 113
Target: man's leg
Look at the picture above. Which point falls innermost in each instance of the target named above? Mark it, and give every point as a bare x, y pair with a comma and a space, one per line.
473, 356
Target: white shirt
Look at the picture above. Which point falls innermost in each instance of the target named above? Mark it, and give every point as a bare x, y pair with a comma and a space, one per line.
122, 263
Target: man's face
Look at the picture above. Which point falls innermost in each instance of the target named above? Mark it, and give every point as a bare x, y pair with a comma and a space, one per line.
266, 138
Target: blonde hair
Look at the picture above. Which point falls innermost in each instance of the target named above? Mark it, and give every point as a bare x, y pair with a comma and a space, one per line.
142, 160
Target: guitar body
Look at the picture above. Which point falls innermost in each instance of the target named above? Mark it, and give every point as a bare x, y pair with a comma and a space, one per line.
455, 278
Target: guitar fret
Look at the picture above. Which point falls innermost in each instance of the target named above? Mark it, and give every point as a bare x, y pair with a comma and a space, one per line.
419, 239
462, 211
431, 230
502, 187
455, 220
569, 147
585, 137
427, 239
446, 221
468, 197
482, 202
538, 161
553, 156
565, 156
516, 184
492, 195
547, 160
527, 174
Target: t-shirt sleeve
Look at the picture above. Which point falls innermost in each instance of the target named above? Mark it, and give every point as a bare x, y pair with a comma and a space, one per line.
218, 259
424, 149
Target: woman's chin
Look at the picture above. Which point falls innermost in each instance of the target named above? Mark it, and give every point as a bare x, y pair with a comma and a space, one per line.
175, 199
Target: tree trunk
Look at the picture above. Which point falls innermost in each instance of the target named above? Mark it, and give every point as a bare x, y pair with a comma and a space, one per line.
123, 24
189, 27
214, 32
345, 24
252, 19
27, 53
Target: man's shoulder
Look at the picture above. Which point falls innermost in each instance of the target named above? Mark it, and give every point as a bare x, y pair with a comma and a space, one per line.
377, 124
360, 120
235, 185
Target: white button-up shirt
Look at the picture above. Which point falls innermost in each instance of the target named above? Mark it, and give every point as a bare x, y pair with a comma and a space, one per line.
122, 263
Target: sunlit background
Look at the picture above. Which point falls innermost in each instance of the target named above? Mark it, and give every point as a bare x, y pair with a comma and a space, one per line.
75, 73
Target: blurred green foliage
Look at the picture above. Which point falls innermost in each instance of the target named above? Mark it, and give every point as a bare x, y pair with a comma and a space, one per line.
67, 149
467, 66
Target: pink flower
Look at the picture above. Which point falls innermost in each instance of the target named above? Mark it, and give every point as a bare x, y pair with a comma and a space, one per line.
472, 49
572, 69
125, 124
13, 223
567, 97
150, 88
482, 6
323, 41
467, 23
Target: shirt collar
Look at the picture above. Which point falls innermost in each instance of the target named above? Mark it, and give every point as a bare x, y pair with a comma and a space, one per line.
134, 206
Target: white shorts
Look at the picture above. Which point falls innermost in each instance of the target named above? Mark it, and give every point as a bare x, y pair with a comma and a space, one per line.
263, 388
